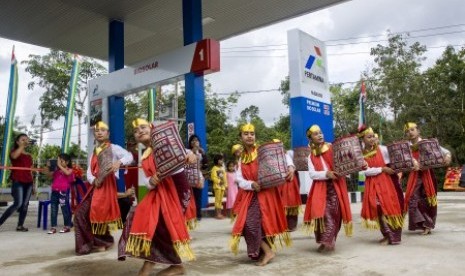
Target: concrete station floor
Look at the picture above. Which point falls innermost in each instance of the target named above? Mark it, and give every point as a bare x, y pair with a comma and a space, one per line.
441, 253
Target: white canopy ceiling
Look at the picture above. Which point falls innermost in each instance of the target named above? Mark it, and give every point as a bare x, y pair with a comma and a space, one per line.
151, 26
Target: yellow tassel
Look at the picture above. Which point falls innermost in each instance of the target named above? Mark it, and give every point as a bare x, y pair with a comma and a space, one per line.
292, 211
279, 240
184, 250
101, 228
432, 201
308, 227
191, 224
348, 227
270, 241
371, 224
137, 245
313, 225
286, 239
233, 217
395, 222
234, 243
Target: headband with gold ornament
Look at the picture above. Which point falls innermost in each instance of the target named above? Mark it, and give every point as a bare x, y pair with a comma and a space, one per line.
409, 125
101, 125
312, 129
248, 128
138, 122
365, 132
235, 148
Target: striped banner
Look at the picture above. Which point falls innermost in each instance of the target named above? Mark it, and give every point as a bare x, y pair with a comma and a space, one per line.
152, 100
362, 100
10, 117
70, 107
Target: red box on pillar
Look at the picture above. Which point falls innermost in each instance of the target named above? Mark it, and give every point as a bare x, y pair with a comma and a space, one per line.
206, 57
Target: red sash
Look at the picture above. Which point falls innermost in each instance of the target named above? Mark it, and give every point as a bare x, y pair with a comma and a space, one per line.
290, 195
104, 209
274, 223
428, 184
161, 201
316, 202
191, 212
380, 187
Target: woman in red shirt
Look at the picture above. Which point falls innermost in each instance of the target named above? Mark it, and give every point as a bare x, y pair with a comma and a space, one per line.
22, 182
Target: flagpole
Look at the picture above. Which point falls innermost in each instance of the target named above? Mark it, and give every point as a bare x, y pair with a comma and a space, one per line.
70, 107
152, 93
362, 100
9, 117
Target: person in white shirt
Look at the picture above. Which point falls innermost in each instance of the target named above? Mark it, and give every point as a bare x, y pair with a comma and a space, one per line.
381, 207
99, 212
328, 203
420, 197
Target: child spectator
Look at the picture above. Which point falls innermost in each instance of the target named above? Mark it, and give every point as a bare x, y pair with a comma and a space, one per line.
218, 178
62, 178
232, 184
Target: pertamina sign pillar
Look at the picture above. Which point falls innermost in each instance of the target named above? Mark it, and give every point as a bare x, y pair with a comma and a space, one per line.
310, 101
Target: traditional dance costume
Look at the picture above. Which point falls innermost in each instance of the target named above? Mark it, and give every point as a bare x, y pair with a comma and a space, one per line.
260, 215
328, 201
156, 231
381, 208
98, 213
420, 197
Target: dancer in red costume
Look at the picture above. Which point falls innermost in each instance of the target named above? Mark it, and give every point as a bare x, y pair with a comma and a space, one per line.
260, 213
156, 231
381, 208
99, 213
420, 197
328, 202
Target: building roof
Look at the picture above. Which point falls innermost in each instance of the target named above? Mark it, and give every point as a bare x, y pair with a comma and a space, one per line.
152, 27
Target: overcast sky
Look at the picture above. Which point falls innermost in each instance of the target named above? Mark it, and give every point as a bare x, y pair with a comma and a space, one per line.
258, 60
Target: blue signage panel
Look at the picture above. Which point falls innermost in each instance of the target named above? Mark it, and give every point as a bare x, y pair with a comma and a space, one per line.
306, 112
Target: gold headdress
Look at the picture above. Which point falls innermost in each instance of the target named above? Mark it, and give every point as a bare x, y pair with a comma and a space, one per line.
248, 127
312, 129
235, 148
137, 122
101, 125
365, 132
276, 141
408, 125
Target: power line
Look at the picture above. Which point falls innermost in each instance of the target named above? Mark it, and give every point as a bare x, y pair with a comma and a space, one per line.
401, 32
362, 37
248, 92
269, 56
61, 128
384, 40
332, 54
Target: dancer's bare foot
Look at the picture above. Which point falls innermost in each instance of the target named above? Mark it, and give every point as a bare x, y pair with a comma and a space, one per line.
267, 257
146, 269
426, 231
384, 241
172, 271
321, 248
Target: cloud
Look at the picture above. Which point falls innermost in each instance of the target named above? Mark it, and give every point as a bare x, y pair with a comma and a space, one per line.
358, 18
250, 70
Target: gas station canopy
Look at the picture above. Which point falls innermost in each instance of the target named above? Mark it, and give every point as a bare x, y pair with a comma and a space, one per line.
151, 27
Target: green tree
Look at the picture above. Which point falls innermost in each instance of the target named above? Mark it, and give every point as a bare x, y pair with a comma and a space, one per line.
443, 98
396, 75
135, 106
284, 90
52, 72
